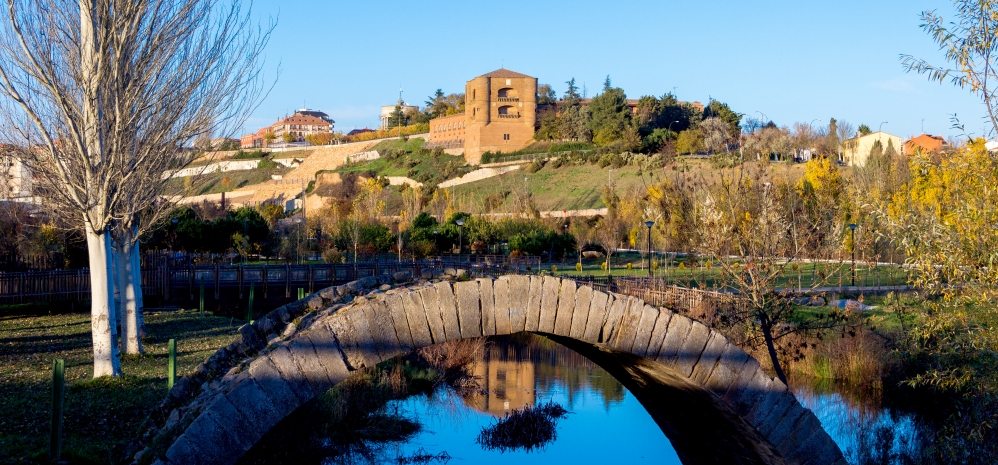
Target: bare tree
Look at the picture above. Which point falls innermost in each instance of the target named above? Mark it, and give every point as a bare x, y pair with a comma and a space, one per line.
106, 93
757, 234
717, 135
611, 231
970, 44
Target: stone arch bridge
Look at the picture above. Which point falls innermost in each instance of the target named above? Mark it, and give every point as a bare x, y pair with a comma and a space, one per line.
301, 350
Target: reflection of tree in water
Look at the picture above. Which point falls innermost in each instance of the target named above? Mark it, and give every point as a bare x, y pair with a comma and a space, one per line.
554, 365
867, 433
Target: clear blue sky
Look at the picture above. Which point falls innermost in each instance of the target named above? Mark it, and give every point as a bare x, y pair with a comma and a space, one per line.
791, 60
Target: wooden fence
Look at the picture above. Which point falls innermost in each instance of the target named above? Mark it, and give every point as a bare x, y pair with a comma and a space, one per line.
166, 281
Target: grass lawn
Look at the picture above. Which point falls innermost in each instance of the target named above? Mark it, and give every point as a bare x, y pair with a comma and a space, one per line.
569, 187
215, 183
409, 158
104, 415
700, 275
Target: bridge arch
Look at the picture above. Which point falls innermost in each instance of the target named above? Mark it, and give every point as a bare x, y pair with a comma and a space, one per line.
240, 408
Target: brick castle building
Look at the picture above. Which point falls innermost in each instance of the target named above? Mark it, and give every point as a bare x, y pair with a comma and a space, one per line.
500, 115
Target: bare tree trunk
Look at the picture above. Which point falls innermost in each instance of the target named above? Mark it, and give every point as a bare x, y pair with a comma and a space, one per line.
102, 315
128, 291
767, 333
136, 284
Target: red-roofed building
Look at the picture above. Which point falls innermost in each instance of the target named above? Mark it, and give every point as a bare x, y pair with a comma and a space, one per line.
294, 128
925, 143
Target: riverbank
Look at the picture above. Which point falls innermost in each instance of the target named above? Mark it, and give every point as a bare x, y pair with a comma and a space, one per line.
101, 416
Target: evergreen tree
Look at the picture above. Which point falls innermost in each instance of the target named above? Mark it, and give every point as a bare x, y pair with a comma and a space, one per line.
610, 117
716, 109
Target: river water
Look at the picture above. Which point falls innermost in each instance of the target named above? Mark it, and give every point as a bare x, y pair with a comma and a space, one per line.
605, 423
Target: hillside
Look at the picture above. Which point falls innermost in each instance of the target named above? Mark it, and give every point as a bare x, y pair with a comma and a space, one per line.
577, 186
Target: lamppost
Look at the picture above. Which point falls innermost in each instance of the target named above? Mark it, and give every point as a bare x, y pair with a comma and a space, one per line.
649, 224
460, 235
881, 127
852, 241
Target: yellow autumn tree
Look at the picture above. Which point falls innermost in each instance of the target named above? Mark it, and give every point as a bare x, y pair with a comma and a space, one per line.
946, 220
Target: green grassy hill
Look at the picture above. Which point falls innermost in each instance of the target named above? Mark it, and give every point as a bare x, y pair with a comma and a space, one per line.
411, 159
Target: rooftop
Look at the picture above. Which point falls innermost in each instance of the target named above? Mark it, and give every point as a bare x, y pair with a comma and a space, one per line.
504, 73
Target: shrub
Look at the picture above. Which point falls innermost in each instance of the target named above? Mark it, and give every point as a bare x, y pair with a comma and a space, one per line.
527, 428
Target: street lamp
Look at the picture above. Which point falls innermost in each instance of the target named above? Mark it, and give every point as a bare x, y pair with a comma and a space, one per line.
852, 240
881, 127
460, 235
649, 224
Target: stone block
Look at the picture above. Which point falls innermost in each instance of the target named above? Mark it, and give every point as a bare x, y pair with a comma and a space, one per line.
501, 291
419, 327
709, 358
780, 430
658, 333
205, 437
806, 428
386, 341
732, 360
469, 309
329, 293
434, 317
566, 307
266, 375
519, 295
183, 451
741, 381
596, 317
549, 304
396, 309
251, 401
314, 302
488, 302
783, 406
281, 357
583, 299
763, 408
614, 315
628, 327
534, 298
693, 346
751, 393
310, 364
448, 310
229, 428
350, 328
642, 335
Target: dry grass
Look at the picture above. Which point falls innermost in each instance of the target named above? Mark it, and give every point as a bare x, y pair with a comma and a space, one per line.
860, 359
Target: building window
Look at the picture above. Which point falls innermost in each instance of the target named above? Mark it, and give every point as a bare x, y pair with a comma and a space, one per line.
505, 137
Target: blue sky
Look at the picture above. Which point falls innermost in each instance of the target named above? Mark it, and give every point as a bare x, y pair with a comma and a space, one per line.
790, 60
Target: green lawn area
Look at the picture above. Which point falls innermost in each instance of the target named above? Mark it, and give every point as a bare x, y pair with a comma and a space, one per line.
568, 187
702, 276
102, 416
409, 158
215, 183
